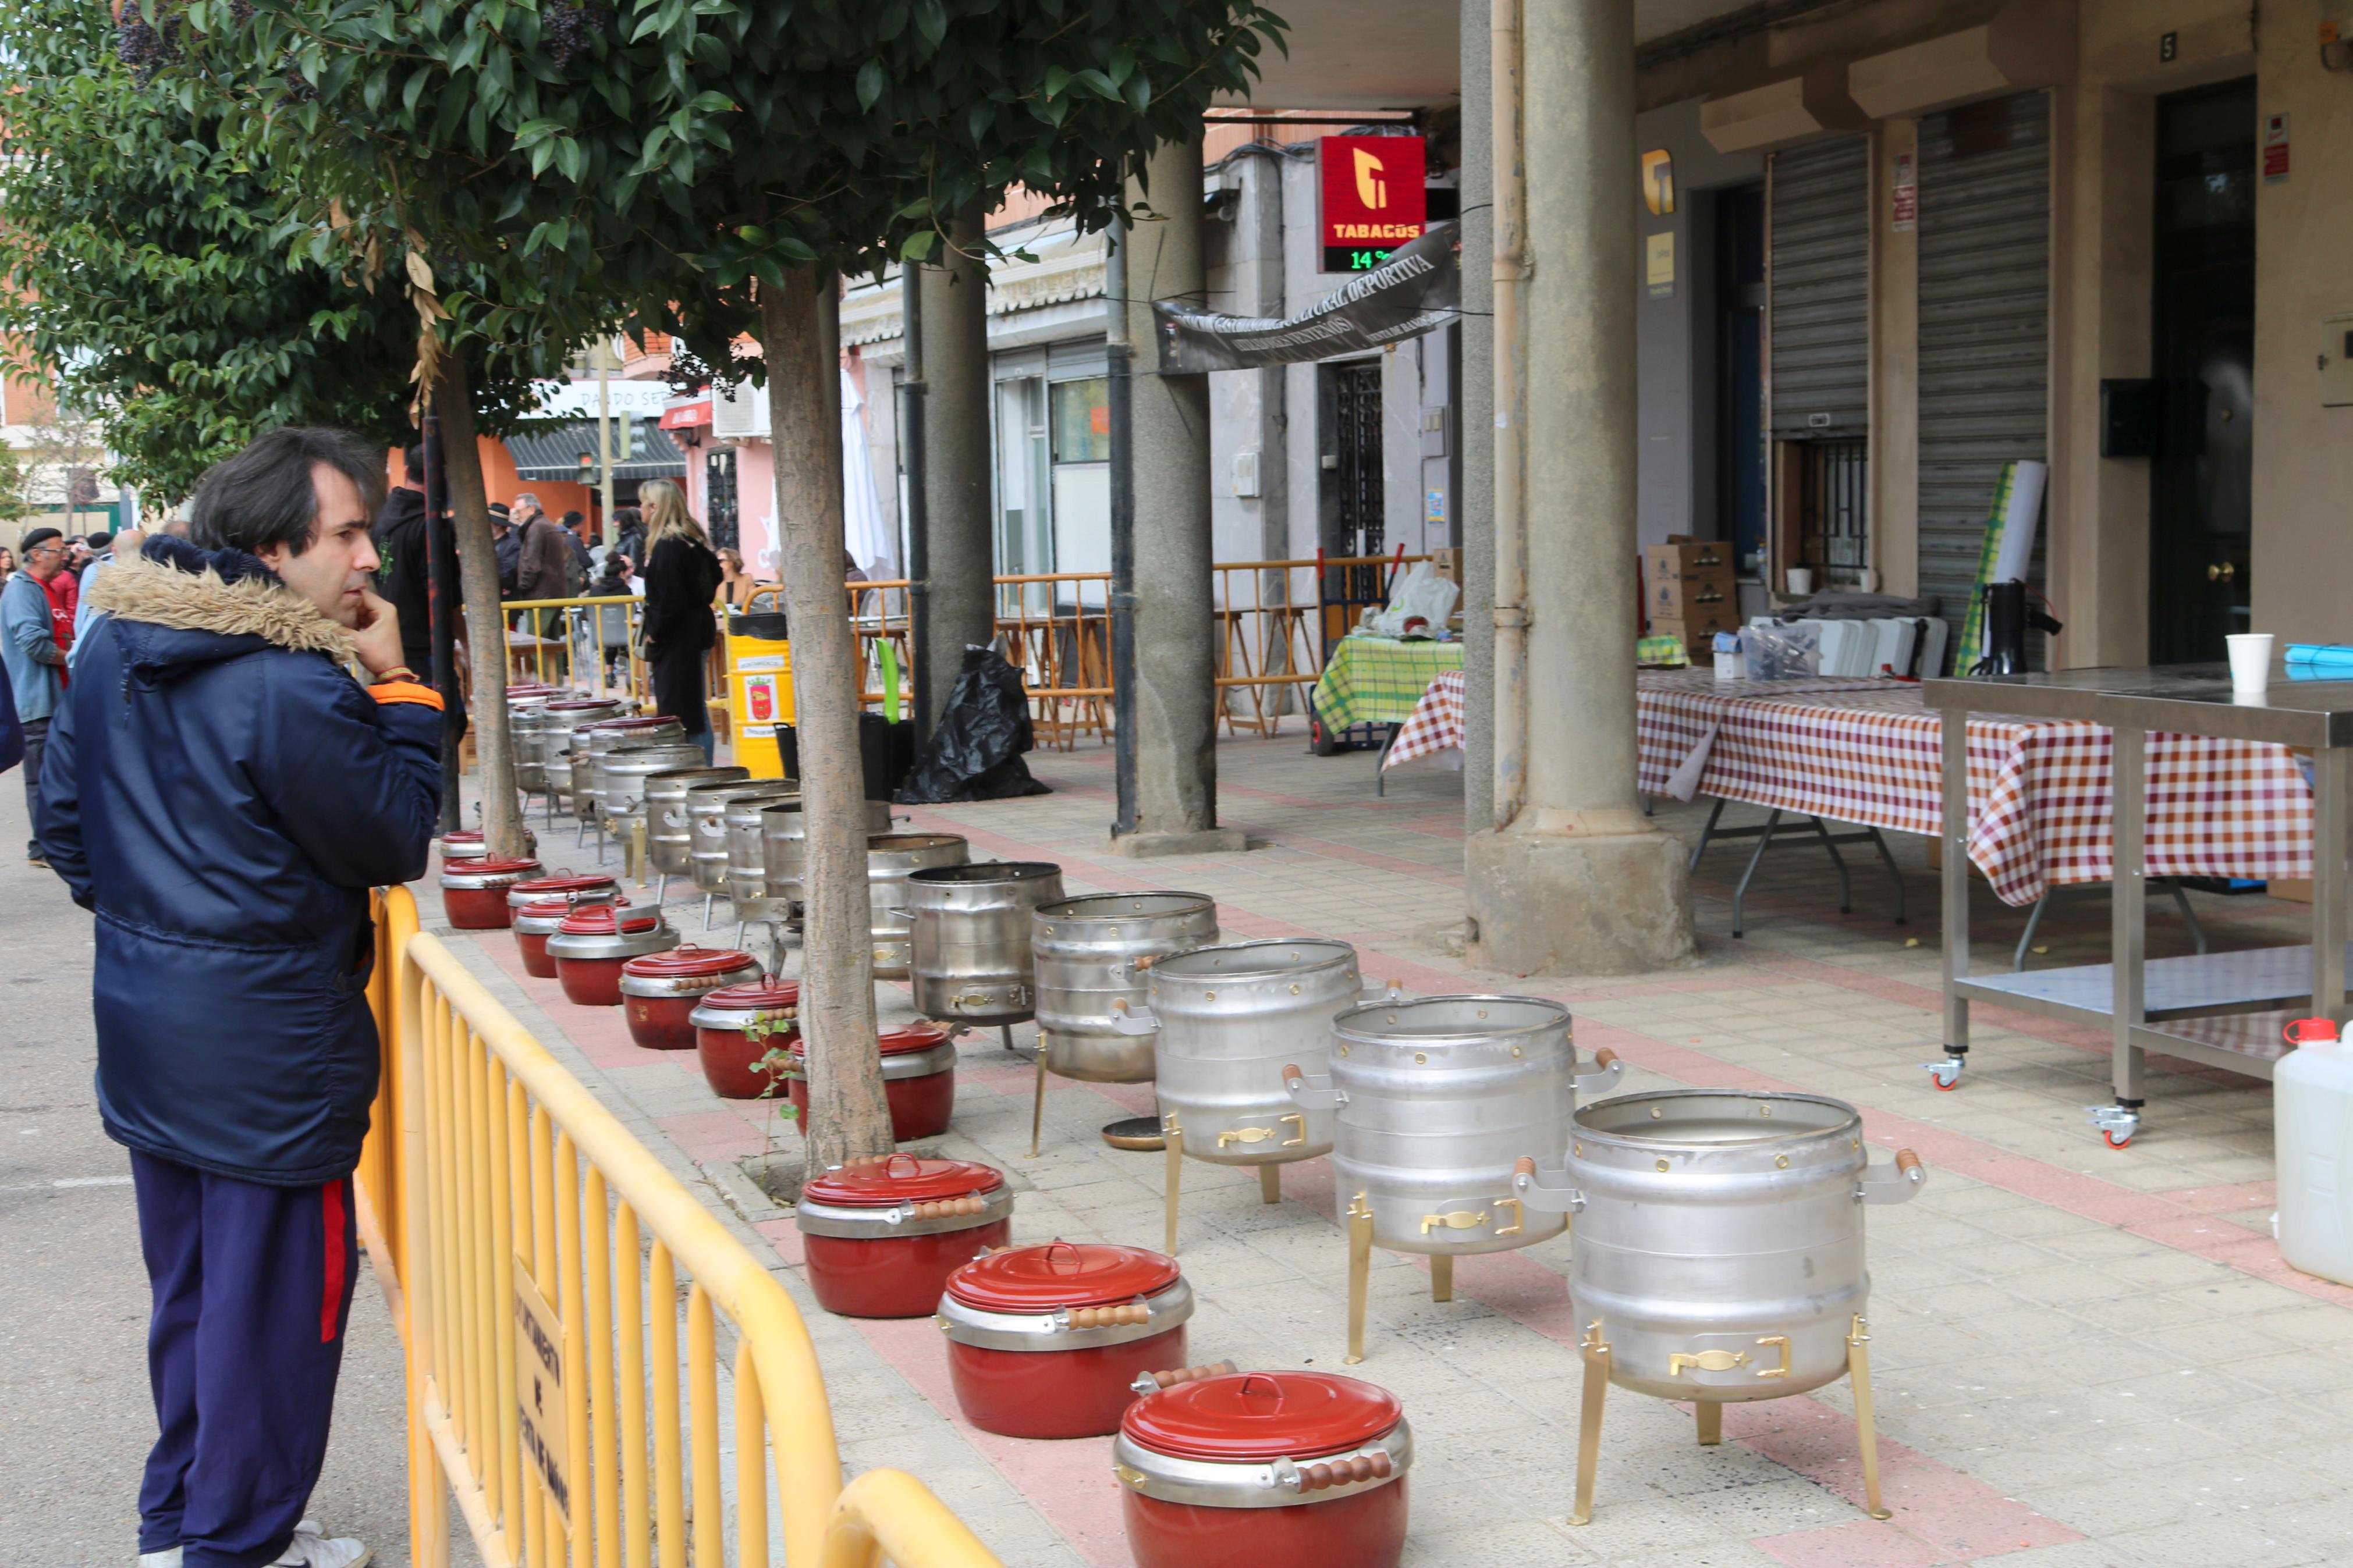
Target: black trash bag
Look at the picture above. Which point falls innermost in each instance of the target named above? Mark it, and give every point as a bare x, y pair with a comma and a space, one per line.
974, 752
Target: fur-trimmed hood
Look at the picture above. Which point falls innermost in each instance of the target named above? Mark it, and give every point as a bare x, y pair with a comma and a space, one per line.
176, 606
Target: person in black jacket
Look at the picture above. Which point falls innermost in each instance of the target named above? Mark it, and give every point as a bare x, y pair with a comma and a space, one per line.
402, 575
681, 576
222, 792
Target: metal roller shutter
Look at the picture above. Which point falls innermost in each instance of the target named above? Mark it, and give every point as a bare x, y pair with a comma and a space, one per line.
1819, 291
1985, 327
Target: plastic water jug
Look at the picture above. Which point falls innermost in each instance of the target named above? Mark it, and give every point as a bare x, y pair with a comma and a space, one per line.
2312, 1134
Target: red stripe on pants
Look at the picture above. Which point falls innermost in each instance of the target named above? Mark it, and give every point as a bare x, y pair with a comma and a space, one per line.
339, 1262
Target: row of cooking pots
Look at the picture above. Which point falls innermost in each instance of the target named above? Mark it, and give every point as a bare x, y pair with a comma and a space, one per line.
1217, 1469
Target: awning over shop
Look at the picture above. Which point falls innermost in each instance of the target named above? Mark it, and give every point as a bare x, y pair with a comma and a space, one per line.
687, 415
547, 456
1416, 291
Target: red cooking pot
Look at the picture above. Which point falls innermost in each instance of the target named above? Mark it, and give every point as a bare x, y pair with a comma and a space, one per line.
474, 891
1301, 1469
595, 941
660, 991
918, 1074
1048, 1341
882, 1236
466, 844
536, 923
730, 1058
564, 884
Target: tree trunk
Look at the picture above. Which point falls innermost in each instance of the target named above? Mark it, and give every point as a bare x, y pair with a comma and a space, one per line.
477, 573
849, 1116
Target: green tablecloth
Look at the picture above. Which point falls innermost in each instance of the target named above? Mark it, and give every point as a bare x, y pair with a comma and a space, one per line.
1378, 680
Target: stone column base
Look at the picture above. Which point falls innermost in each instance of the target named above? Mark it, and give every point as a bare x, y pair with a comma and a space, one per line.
1152, 846
1578, 903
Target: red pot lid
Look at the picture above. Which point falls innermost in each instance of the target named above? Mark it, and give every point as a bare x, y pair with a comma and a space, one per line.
686, 964
548, 908
574, 704
755, 994
644, 722
531, 690
564, 882
902, 1179
603, 919
462, 836
1252, 1415
492, 866
902, 1042
1061, 1274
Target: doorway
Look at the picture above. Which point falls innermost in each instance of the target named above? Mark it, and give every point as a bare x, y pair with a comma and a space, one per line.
1740, 459
1355, 492
2203, 358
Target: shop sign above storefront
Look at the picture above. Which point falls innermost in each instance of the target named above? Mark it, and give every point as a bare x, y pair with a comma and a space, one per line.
1417, 289
1370, 198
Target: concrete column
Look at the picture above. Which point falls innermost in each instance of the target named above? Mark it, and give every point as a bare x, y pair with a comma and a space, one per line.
1474, 424
1580, 882
961, 606
1176, 695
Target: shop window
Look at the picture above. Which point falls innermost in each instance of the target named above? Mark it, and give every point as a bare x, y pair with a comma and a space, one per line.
1082, 420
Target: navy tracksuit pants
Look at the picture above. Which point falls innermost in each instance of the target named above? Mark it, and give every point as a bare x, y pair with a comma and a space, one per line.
252, 1288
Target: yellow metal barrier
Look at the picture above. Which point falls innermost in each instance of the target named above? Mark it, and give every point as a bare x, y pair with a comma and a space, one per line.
564, 1303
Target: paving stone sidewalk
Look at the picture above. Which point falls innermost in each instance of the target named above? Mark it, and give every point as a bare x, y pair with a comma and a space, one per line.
2083, 1356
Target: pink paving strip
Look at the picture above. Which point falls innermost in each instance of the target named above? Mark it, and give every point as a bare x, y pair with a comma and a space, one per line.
1864, 1543
601, 1032
1068, 1482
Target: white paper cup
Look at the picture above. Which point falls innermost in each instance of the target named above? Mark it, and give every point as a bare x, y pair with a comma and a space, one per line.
1801, 580
2251, 661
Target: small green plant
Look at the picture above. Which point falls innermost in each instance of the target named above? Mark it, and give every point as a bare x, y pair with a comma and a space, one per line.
778, 1067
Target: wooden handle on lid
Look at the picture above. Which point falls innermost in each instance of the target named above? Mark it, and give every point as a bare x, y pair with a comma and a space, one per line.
947, 1208
1109, 1317
1193, 1374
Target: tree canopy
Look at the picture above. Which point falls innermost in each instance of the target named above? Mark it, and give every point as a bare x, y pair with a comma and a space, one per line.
153, 276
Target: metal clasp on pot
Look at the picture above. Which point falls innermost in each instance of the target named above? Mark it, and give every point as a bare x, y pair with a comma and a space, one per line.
1311, 1091
1892, 1184
1607, 1072
1538, 1194
1130, 1019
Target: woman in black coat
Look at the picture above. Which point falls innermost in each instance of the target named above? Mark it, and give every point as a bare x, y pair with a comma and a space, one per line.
681, 576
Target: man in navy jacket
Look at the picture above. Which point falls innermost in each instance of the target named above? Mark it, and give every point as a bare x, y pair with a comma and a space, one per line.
221, 791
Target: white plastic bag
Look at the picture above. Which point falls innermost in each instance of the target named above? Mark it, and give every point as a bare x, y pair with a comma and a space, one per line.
1420, 592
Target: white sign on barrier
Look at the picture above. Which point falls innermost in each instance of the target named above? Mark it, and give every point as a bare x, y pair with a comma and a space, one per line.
545, 1425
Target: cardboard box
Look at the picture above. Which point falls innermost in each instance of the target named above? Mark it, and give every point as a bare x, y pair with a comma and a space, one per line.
1696, 631
1674, 562
1448, 563
1697, 597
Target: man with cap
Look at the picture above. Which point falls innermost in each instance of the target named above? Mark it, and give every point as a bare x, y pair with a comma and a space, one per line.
33, 643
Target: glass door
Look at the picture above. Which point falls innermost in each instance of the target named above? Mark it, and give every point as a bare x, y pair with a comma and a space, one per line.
1025, 521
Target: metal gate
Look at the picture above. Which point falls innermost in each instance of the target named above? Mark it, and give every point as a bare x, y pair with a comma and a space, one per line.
1357, 482
1819, 291
1985, 327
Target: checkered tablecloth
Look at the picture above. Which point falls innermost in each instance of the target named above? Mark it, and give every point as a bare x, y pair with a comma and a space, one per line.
1868, 752
1378, 680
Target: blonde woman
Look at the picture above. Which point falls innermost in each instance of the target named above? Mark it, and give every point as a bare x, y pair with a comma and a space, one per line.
681, 576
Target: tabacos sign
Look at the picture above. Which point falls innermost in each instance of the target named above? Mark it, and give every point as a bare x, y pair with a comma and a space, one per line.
1371, 198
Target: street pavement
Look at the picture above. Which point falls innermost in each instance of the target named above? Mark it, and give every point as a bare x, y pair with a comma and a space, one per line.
75, 1417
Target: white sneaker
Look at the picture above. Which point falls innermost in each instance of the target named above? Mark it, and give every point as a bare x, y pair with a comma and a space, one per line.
167, 1558
311, 1549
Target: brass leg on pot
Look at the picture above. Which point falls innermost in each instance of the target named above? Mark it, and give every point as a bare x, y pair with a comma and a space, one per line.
1866, 1424
1442, 1277
1270, 1183
1038, 1107
633, 856
1588, 1426
1172, 1138
1711, 1422
1360, 1266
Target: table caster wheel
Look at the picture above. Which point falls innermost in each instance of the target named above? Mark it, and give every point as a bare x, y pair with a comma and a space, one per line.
1945, 1075
2117, 1123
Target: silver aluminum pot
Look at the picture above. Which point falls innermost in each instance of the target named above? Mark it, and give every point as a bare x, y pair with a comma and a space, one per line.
938, 1058
461, 874
706, 819
1436, 1101
890, 859
784, 850
1258, 1483
543, 738
1163, 1309
1092, 957
527, 727
670, 838
1230, 1021
621, 776
660, 938
1719, 1236
587, 772
864, 1223
971, 938
747, 866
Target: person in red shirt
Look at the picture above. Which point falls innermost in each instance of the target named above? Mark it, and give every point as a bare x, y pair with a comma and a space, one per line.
65, 598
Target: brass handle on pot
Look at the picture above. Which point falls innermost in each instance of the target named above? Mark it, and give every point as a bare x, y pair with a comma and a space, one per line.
1152, 1381
1301, 1123
1517, 1216
1460, 1219
1706, 1361
1783, 1370
1245, 1135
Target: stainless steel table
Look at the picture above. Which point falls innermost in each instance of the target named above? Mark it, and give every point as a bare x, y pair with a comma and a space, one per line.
2224, 1009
